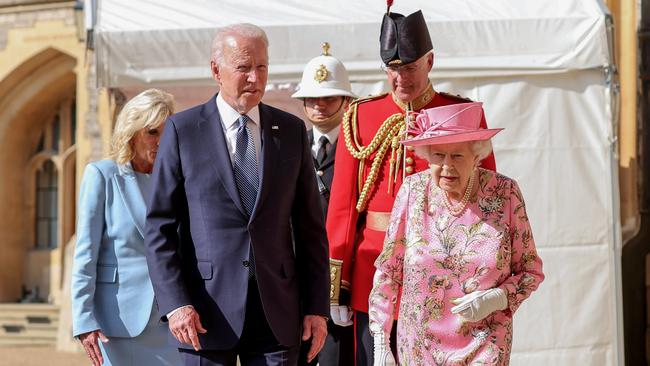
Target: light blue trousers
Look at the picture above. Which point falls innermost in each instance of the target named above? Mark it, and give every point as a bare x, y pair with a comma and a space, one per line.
150, 348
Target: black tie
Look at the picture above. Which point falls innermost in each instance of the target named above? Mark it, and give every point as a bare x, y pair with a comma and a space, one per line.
321, 155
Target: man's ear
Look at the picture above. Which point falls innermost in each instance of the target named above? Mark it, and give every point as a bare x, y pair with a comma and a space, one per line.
430, 60
214, 69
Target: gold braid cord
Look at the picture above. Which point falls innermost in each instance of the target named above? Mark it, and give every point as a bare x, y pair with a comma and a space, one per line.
381, 142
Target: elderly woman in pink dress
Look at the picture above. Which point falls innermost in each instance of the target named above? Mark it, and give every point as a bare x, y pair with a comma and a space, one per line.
459, 256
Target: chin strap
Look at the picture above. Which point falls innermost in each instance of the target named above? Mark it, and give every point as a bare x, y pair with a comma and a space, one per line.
336, 117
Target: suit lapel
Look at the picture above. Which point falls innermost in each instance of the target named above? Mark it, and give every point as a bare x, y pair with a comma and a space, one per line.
214, 141
129, 191
310, 136
270, 134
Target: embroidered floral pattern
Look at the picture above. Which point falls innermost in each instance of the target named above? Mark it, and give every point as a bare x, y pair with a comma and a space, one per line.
431, 257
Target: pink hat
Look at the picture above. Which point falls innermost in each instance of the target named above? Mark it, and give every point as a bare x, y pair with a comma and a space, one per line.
448, 124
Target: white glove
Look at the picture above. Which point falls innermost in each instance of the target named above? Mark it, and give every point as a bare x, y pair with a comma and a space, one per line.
341, 315
381, 351
478, 305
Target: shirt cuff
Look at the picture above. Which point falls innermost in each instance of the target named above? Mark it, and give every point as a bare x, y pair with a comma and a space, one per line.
169, 315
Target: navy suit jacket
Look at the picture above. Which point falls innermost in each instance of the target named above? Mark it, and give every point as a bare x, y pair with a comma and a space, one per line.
198, 234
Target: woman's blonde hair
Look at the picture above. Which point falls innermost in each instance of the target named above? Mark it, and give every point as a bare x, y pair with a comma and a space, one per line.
149, 110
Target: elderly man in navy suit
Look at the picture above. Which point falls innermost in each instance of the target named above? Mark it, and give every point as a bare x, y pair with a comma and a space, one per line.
237, 256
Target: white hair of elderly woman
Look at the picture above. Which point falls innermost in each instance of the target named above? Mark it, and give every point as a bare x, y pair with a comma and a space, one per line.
222, 35
480, 148
148, 109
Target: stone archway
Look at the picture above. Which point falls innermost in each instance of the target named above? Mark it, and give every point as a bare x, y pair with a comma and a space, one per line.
29, 97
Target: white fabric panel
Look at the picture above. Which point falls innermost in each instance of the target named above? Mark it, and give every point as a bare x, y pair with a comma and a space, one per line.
167, 41
571, 316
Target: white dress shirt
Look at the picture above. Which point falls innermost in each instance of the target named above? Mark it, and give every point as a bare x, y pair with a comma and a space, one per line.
332, 135
229, 117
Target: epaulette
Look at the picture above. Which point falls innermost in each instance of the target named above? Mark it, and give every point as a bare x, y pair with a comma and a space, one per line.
455, 97
368, 98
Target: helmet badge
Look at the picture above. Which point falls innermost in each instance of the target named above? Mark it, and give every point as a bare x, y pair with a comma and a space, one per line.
321, 74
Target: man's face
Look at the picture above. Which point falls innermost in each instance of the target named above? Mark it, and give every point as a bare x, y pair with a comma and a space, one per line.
243, 74
408, 81
319, 110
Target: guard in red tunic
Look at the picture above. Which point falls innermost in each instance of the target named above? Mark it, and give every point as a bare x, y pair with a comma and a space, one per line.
371, 163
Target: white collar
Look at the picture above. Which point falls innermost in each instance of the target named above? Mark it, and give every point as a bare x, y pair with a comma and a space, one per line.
332, 135
229, 115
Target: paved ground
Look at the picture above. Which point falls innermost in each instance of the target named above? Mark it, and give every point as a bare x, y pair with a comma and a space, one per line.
38, 356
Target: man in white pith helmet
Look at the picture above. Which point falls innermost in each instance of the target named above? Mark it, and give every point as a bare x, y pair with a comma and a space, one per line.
326, 93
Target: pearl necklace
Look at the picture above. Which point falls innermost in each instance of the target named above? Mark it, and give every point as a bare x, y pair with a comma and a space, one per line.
456, 210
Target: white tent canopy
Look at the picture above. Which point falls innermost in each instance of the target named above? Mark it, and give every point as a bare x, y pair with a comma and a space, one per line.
168, 41
542, 69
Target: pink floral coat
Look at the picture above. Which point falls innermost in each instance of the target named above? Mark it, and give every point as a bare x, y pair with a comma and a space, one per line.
431, 257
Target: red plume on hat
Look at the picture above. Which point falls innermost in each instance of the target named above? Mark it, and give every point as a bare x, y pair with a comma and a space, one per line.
389, 3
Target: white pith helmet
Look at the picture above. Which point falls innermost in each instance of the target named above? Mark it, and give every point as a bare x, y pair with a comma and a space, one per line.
324, 76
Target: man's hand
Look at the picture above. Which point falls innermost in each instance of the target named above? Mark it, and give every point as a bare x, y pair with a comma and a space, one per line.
314, 327
91, 345
184, 325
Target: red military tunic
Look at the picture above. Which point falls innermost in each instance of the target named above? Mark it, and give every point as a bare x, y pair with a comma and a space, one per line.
354, 246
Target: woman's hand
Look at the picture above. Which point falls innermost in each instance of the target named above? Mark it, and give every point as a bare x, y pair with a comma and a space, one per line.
478, 305
91, 345
381, 352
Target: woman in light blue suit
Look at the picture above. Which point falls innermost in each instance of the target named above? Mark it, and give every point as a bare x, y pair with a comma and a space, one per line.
112, 295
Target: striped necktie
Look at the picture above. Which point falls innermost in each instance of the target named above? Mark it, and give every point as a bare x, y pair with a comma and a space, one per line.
246, 176
245, 165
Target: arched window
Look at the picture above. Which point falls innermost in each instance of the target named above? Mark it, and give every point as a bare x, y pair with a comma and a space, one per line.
50, 202
46, 206
53, 175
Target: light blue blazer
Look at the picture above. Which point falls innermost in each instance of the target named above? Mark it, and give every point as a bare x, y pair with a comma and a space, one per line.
111, 288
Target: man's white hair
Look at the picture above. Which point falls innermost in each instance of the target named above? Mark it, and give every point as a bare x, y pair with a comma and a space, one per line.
221, 38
